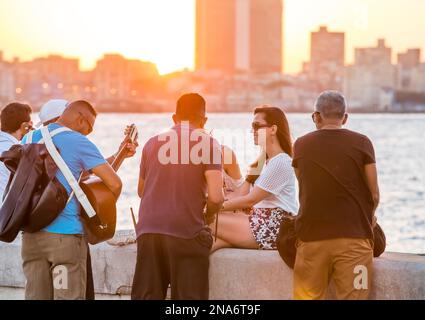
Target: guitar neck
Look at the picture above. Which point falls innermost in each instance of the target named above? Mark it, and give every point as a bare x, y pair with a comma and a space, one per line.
119, 159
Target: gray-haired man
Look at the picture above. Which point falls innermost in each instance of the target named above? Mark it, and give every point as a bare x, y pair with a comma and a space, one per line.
338, 197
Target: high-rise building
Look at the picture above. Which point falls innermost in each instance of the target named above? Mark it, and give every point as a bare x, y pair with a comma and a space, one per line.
239, 35
410, 59
266, 45
407, 69
381, 54
418, 78
327, 58
371, 74
327, 48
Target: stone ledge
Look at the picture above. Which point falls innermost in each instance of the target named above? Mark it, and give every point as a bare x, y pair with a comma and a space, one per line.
234, 274
252, 274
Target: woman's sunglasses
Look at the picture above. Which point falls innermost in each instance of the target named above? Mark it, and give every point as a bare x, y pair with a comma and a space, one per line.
257, 126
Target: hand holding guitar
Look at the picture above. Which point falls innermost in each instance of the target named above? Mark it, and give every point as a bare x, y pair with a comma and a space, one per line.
129, 143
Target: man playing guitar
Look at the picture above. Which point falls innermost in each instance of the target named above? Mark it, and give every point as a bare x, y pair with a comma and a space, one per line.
60, 249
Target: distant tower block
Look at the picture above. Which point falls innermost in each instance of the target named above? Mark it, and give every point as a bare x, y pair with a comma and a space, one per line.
327, 58
239, 35
327, 48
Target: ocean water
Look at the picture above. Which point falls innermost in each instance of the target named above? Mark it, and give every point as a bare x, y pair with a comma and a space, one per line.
399, 142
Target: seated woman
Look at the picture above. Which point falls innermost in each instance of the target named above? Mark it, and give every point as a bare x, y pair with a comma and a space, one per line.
271, 197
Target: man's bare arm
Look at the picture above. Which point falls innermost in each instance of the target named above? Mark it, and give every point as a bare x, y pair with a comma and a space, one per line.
246, 201
131, 151
371, 178
297, 173
141, 187
215, 193
109, 178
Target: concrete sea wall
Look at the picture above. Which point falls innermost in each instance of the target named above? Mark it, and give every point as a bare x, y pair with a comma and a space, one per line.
234, 274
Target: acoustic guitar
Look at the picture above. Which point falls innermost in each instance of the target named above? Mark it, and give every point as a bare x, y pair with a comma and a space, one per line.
102, 226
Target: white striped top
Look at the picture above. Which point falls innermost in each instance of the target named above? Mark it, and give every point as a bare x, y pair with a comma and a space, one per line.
278, 178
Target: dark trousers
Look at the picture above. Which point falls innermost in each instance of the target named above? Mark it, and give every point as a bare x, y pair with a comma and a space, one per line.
163, 260
90, 283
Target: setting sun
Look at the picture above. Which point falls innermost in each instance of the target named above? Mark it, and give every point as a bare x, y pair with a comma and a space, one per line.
158, 31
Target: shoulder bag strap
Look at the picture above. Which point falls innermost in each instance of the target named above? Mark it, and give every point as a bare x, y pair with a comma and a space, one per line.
29, 137
54, 133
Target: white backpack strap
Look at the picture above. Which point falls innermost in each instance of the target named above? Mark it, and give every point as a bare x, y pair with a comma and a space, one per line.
29, 137
54, 133
82, 198
59, 130
72, 193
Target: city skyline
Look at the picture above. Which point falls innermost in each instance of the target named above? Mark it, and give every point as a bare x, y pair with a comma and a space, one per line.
138, 33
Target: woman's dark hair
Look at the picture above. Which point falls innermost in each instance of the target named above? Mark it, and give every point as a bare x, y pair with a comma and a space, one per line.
275, 116
13, 116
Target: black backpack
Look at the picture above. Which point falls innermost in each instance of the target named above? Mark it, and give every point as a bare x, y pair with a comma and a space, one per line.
33, 197
287, 238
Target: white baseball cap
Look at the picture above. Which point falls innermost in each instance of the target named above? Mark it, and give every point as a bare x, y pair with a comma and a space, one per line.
51, 110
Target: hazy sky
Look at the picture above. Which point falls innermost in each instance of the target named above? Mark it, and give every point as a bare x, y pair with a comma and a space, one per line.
162, 31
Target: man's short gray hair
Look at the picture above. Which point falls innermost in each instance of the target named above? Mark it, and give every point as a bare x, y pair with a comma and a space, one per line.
331, 104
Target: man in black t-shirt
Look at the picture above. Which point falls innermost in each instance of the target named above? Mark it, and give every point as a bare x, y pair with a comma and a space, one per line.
339, 194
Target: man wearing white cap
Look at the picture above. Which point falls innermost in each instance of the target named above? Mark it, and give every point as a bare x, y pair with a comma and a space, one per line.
51, 111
